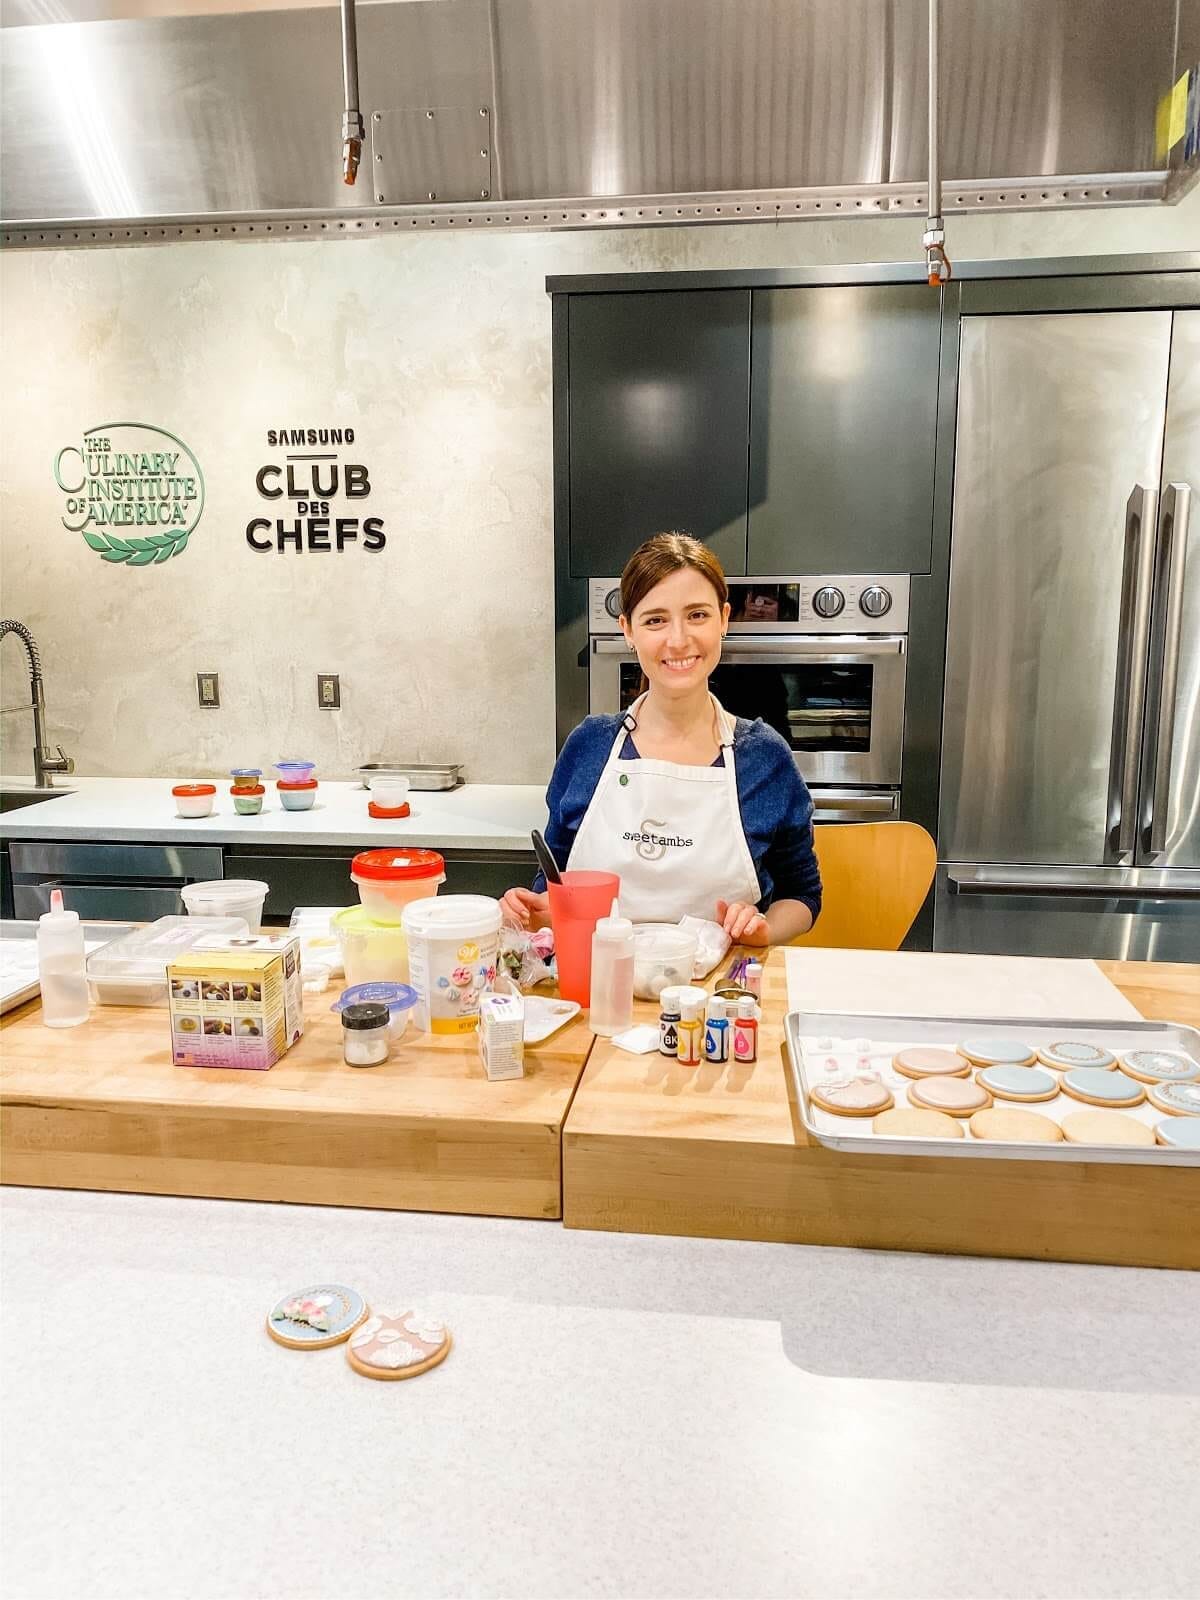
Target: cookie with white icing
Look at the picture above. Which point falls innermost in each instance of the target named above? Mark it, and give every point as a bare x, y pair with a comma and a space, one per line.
1067, 1053
958, 1097
1160, 1066
852, 1097
1180, 1099
928, 1061
313, 1319
398, 1345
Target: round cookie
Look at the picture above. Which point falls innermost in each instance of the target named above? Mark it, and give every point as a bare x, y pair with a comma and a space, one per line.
995, 1050
958, 1097
1013, 1126
1180, 1099
1018, 1083
927, 1061
1159, 1066
1180, 1133
1098, 1086
906, 1122
398, 1345
1067, 1053
1105, 1127
852, 1097
313, 1319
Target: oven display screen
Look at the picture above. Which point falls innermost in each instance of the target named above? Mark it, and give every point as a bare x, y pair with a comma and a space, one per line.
764, 602
817, 707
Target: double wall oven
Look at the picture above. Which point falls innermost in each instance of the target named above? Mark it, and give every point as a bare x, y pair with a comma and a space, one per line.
820, 659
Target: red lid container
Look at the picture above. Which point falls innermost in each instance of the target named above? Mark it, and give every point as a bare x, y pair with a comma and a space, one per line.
190, 791
307, 783
397, 865
376, 810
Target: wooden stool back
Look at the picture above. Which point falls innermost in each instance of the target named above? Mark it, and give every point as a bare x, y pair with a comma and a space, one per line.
874, 876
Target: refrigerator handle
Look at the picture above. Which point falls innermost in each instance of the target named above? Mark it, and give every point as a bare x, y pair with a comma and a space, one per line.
1167, 630
1133, 644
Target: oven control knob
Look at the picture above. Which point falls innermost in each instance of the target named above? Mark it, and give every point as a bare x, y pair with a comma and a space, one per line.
828, 601
612, 602
875, 601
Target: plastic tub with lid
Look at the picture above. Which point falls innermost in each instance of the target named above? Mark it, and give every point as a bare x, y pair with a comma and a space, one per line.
295, 771
453, 947
372, 952
663, 955
298, 794
389, 880
227, 897
194, 799
133, 971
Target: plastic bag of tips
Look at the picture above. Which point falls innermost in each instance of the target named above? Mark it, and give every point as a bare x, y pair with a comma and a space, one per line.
524, 956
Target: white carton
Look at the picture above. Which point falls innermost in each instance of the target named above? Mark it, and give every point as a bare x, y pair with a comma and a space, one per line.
502, 1035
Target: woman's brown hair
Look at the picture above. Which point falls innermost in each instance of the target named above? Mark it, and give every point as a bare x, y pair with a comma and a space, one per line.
661, 555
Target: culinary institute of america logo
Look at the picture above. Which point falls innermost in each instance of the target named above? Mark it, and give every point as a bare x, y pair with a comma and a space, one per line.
133, 491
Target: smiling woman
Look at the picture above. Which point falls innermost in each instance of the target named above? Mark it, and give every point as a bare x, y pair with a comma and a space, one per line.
697, 813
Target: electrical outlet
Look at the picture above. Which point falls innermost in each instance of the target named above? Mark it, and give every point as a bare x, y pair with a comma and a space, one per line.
329, 691
208, 690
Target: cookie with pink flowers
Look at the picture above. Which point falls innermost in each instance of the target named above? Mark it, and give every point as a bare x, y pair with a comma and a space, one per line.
398, 1345
313, 1319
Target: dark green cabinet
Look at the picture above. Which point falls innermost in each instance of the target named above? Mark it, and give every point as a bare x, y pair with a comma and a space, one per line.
659, 387
843, 417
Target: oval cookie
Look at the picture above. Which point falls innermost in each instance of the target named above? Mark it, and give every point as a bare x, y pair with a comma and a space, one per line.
996, 1050
1180, 1099
927, 1061
1159, 1066
1018, 1083
398, 1345
1180, 1133
852, 1097
1067, 1053
1097, 1086
957, 1096
905, 1122
1105, 1127
1014, 1126
313, 1319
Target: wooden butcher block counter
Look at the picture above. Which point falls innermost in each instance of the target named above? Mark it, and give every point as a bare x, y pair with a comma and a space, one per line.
651, 1147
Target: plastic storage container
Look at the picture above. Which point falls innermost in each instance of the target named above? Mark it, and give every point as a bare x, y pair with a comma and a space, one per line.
663, 955
389, 880
133, 971
366, 1035
62, 973
298, 795
372, 952
227, 897
194, 799
611, 1008
399, 998
295, 771
247, 798
576, 905
453, 947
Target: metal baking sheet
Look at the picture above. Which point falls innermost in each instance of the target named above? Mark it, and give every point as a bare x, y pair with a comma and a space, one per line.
18, 956
888, 1034
420, 774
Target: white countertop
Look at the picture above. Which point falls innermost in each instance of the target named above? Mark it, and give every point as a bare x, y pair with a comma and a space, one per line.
477, 816
620, 1415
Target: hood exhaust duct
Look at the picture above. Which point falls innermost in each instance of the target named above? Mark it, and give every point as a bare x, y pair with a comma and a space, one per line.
485, 114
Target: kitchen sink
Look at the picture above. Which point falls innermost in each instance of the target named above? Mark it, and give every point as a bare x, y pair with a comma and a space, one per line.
14, 799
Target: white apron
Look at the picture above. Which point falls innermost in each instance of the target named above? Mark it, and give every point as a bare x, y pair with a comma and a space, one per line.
673, 833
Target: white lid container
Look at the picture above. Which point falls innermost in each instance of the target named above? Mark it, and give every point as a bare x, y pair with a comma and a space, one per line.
453, 946
663, 955
133, 971
227, 897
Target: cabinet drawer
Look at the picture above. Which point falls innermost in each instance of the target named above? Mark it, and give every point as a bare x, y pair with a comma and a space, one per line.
100, 902
91, 861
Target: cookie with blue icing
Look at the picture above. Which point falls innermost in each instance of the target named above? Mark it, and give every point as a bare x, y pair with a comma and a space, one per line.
997, 1050
1179, 1133
1098, 1086
1067, 1053
313, 1319
1180, 1099
1160, 1066
1018, 1083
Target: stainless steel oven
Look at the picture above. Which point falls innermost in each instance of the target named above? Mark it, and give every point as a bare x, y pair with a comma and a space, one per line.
822, 660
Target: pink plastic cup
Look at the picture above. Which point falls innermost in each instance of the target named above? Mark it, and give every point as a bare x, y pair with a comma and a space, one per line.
576, 905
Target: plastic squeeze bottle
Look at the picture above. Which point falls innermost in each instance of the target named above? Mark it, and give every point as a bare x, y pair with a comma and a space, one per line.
62, 972
611, 1009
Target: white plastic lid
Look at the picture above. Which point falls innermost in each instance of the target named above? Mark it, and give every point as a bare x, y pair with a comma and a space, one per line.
614, 925
146, 953
220, 890
689, 1011
691, 995
746, 1008
452, 916
668, 1000
716, 1007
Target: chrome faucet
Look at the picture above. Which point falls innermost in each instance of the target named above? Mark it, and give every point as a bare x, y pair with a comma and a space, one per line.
44, 764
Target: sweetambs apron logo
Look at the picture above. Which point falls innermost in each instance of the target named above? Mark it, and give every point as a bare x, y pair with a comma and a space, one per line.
653, 846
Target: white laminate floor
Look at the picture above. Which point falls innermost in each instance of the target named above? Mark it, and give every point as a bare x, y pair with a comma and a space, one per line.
620, 1415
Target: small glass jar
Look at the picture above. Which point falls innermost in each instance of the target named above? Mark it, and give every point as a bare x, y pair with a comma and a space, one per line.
365, 1034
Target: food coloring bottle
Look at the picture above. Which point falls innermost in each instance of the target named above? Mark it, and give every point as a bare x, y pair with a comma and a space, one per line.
668, 1022
716, 1031
745, 1031
690, 1034
753, 978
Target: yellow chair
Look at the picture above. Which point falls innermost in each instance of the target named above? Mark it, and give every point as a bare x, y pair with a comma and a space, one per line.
874, 877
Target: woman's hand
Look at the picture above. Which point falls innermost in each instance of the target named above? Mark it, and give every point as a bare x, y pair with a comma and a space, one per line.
745, 924
521, 908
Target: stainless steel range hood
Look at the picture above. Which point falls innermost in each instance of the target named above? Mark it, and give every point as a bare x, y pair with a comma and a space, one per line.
566, 113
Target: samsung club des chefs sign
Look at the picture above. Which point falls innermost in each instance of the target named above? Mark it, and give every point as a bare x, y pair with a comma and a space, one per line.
319, 492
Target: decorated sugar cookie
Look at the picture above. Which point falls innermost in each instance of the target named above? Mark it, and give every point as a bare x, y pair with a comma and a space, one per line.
904, 1122
313, 1319
1105, 1127
1067, 1053
996, 1050
960, 1097
1011, 1125
1097, 1086
927, 1061
1159, 1066
852, 1097
398, 1345
1018, 1083
1180, 1099
1180, 1133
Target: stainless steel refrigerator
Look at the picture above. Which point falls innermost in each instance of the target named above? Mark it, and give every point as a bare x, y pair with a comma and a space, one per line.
1069, 819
